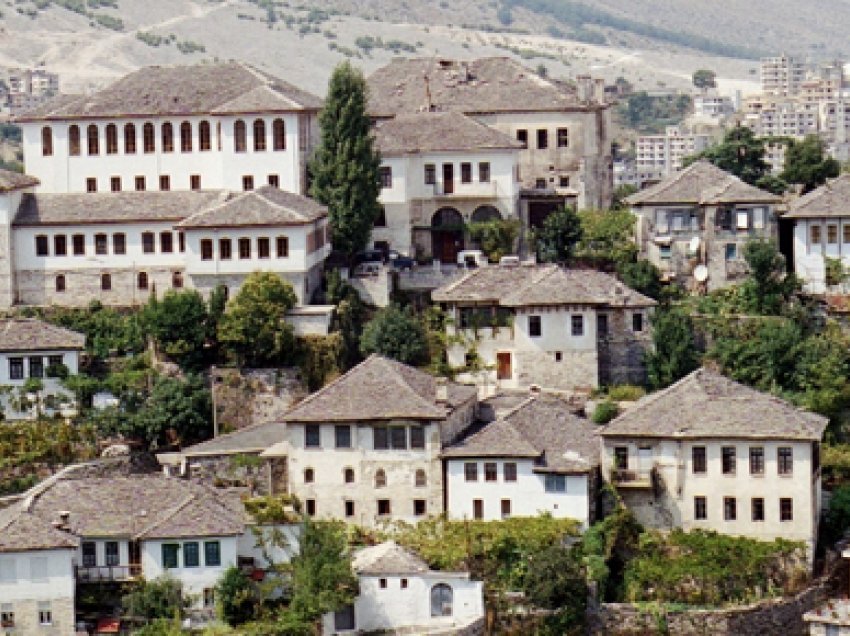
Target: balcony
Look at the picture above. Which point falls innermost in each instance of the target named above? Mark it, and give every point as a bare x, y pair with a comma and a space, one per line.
459, 190
640, 478
107, 573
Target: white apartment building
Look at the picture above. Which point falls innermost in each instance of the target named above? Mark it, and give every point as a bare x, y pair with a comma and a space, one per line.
665, 153
712, 106
710, 453
782, 75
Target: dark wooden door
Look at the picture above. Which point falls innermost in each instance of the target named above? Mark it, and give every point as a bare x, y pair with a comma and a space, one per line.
503, 366
448, 178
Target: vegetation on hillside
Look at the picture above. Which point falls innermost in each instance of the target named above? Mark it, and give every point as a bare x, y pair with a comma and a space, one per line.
650, 114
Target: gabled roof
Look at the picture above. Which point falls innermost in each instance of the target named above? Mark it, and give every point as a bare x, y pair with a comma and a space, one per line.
21, 531
379, 389
10, 181
438, 132
701, 183
542, 428
200, 89
484, 85
32, 334
387, 558
262, 207
539, 285
251, 439
832, 199
706, 404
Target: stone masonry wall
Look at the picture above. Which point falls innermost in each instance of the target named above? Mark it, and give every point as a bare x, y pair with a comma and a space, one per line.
575, 369
27, 619
622, 351
37, 287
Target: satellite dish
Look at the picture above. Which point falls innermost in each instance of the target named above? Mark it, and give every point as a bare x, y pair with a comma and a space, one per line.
693, 246
701, 273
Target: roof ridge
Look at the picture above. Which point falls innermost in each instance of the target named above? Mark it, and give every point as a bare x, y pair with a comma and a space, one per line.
167, 516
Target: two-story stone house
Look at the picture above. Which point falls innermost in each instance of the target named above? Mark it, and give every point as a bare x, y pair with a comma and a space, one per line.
694, 225
516, 326
710, 453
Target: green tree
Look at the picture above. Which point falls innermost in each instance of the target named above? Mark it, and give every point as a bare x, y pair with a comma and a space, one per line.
807, 164
395, 333
178, 324
607, 237
345, 166
740, 153
642, 276
254, 324
161, 597
496, 237
768, 286
555, 241
704, 78
621, 193
556, 581
216, 305
674, 353
605, 412
349, 318
236, 598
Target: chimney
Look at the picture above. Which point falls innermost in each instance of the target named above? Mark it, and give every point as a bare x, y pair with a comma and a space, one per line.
599, 90
584, 88
442, 396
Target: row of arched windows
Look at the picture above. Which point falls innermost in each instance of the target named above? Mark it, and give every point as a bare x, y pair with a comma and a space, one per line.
420, 478
167, 137
142, 281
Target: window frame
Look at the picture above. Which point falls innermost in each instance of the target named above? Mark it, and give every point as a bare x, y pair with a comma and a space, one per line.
170, 554
342, 436
193, 549
785, 461
730, 509
148, 243
535, 326
470, 472
119, 243
728, 460
757, 509
206, 249
699, 460
700, 508
312, 436
212, 548
509, 471
756, 460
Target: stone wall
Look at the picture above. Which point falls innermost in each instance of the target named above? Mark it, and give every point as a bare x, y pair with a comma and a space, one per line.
622, 352
219, 470
27, 618
575, 369
374, 290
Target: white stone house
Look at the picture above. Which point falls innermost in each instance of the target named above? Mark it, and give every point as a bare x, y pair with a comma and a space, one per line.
400, 594
366, 448
439, 172
713, 454
207, 126
694, 225
821, 221
539, 458
517, 326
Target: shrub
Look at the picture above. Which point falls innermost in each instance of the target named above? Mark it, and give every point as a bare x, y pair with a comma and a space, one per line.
161, 597
236, 598
605, 412
626, 393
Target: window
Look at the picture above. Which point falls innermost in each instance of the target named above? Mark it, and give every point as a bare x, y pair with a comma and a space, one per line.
665, 251
91, 184
556, 483
430, 174
263, 248
846, 232
45, 614
79, 244
380, 478
209, 597
140, 184
195, 182
700, 509
832, 234
522, 137
130, 139
786, 509
470, 471
637, 322
119, 243
89, 554
698, 460
491, 471
115, 184
7, 615
466, 172
36, 367
542, 138
240, 136
167, 137
278, 135
420, 507
420, 479
74, 141
621, 458
177, 280
142, 280
313, 436
53, 361
185, 137
757, 509
602, 325
16, 368
757, 460
731, 251
477, 508
534, 326
540, 184
380, 437
398, 438
814, 235
730, 509
577, 323
148, 245
311, 507
244, 248
384, 507
441, 600
510, 471
169, 555
785, 460
417, 437
728, 460
164, 182
105, 282
111, 139
47, 142
385, 176
42, 246
348, 475
382, 583
166, 242
282, 244
259, 135
349, 508
484, 171
60, 283
247, 183
112, 558
506, 508
342, 434
93, 141
101, 244
309, 475
212, 553
207, 249
564, 181
181, 241
274, 180
563, 137
148, 138
224, 249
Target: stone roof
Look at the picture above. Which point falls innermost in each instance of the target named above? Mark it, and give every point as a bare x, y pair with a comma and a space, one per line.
701, 183
379, 389
542, 428
706, 404
484, 85
387, 558
112, 207
255, 438
31, 334
21, 531
539, 285
10, 181
438, 132
201, 89
262, 207
832, 199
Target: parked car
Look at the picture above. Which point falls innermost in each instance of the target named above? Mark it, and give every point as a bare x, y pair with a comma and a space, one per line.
400, 262
367, 256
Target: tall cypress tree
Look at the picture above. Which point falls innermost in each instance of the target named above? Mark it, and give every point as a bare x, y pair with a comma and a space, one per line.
345, 166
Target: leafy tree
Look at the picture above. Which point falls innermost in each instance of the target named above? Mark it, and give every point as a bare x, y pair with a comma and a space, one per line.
556, 240
345, 167
556, 581
161, 597
674, 353
740, 153
807, 164
704, 78
605, 412
496, 237
607, 237
216, 305
178, 324
768, 286
350, 318
236, 598
397, 334
254, 324
642, 276
621, 193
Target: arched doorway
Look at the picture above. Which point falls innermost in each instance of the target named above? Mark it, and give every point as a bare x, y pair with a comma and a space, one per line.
446, 234
485, 213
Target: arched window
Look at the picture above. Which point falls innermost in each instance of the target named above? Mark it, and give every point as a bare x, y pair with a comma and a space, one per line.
278, 135
240, 142
142, 280
177, 280
60, 283
205, 136
485, 213
259, 135
441, 600
105, 282
47, 141
380, 478
185, 137
93, 142
348, 475
130, 139
149, 138
74, 140
167, 137
309, 475
111, 139
421, 479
